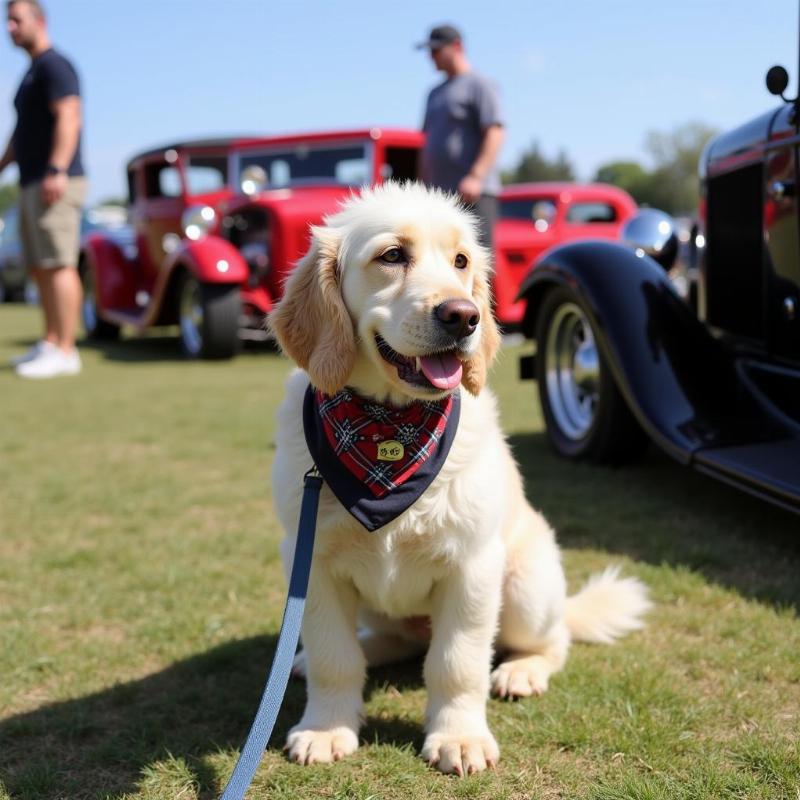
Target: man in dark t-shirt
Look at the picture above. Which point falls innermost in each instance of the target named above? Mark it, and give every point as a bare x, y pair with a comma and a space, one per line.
464, 129
46, 145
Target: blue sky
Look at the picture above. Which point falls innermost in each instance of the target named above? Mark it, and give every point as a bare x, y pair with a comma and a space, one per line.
586, 76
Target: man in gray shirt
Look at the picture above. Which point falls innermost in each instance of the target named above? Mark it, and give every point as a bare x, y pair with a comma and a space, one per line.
463, 130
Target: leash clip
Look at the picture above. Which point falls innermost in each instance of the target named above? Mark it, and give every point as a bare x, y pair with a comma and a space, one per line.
312, 474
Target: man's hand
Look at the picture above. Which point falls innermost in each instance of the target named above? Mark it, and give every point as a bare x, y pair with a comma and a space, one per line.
53, 188
470, 189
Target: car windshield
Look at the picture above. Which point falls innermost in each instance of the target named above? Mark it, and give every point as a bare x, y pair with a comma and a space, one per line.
539, 210
307, 164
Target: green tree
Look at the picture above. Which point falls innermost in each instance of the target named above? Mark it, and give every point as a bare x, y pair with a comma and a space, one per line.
8, 196
672, 185
535, 166
676, 156
628, 175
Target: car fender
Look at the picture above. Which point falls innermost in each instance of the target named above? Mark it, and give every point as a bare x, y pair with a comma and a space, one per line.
211, 259
675, 377
112, 272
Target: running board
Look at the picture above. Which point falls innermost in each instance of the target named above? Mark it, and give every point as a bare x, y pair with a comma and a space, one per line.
769, 470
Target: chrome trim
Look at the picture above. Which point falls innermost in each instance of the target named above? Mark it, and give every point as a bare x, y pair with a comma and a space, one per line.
191, 317
572, 371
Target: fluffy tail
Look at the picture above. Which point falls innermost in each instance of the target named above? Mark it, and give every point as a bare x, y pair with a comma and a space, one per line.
607, 607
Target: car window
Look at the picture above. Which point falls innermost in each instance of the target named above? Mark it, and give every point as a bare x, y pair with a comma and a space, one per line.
206, 174
541, 211
345, 165
583, 213
162, 180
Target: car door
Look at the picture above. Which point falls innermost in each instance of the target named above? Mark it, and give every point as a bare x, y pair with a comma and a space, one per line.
157, 213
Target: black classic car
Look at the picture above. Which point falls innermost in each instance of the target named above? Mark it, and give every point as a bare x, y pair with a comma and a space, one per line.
621, 359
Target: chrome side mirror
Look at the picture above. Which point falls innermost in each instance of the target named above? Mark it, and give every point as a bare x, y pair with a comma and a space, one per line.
652, 232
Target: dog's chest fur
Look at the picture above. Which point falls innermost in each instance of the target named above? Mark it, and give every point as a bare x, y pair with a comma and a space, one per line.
393, 573
396, 568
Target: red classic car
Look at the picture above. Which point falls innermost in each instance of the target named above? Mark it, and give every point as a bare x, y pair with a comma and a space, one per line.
537, 216
217, 225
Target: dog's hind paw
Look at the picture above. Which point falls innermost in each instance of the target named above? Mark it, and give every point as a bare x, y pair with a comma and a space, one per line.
521, 677
462, 755
320, 747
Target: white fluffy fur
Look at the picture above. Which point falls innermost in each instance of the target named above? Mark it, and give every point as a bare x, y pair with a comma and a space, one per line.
471, 553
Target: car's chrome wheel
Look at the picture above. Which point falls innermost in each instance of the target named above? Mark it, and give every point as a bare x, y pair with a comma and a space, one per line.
585, 415
208, 315
191, 317
94, 325
573, 371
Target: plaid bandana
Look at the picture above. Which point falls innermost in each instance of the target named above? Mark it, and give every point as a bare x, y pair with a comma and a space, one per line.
377, 459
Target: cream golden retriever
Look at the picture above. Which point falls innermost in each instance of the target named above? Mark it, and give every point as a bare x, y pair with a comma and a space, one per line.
393, 301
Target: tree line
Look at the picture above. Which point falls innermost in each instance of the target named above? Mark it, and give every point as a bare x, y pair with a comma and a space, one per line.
671, 184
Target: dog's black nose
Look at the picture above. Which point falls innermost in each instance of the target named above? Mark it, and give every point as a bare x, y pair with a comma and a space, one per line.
458, 317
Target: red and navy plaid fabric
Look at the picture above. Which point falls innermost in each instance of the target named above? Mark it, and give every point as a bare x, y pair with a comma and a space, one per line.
355, 427
376, 459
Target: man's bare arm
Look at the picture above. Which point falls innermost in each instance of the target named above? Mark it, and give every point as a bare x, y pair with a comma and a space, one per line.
472, 183
67, 113
490, 146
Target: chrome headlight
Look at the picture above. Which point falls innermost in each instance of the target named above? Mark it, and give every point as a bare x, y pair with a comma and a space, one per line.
196, 221
253, 180
652, 232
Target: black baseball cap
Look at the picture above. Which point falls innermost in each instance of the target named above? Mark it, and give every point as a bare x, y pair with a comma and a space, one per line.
440, 36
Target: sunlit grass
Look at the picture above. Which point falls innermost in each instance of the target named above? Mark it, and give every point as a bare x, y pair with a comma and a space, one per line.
141, 593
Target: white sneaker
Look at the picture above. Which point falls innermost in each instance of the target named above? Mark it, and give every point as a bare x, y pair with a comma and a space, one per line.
51, 364
34, 352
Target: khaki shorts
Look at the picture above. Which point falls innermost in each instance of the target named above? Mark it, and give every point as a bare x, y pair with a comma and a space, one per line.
51, 234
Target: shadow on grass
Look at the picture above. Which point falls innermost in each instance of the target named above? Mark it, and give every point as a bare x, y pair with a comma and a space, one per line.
159, 348
96, 746
150, 348
660, 512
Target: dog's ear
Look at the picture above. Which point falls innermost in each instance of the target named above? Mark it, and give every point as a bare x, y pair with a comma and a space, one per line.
311, 322
477, 367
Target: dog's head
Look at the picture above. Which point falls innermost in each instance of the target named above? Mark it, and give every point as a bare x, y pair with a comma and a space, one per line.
392, 298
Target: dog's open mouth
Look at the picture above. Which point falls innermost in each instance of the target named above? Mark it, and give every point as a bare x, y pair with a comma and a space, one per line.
436, 370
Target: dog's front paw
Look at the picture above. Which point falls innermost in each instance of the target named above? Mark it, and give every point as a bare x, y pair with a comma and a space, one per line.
461, 754
306, 746
521, 677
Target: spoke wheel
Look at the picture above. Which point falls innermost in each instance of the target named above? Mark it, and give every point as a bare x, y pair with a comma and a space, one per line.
585, 414
95, 326
208, 316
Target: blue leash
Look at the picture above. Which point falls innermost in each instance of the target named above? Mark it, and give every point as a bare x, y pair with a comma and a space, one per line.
271, 699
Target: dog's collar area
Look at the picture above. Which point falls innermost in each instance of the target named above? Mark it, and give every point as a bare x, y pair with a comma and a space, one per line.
378, 459
438, 371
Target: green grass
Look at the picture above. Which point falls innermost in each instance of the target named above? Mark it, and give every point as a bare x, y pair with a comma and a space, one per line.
141, 594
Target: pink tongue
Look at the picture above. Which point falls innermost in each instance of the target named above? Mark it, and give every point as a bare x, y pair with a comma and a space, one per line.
443, 371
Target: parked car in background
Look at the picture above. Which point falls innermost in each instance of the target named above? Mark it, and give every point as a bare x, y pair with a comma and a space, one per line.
622, 359
13, 274
218, 224
15, 284
533, 217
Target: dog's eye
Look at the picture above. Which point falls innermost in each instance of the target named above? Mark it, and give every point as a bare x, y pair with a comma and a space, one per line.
394, 255
461, 261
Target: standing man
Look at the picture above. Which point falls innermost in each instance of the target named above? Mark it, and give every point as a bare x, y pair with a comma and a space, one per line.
463, 130
46, 146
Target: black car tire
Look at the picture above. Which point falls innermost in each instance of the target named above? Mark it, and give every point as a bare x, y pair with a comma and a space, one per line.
586, 417
208, 316
97, 329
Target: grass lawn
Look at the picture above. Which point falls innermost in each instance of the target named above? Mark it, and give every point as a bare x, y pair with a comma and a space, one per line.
141, 594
